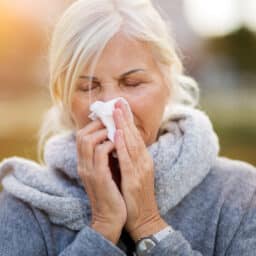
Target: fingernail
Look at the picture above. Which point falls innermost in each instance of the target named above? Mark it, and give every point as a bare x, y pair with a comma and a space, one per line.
118, 104
118, 112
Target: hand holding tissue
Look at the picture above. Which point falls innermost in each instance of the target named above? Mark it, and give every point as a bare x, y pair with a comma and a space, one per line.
104, 111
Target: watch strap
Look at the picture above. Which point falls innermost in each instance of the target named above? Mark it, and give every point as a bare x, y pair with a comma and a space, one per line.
146, 244
163, 233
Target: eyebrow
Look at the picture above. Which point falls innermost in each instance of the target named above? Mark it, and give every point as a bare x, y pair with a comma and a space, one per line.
121, 77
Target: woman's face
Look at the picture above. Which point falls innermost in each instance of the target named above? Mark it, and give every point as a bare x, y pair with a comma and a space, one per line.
125, 69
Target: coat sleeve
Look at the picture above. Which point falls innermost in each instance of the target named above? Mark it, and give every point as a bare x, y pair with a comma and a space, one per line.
174, 244
244, 239
90, 243
21, 234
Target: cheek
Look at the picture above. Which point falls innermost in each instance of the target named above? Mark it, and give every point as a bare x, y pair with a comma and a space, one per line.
80, 110
151, 102
148, 108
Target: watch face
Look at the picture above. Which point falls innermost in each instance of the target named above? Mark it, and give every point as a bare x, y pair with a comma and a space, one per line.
144, 246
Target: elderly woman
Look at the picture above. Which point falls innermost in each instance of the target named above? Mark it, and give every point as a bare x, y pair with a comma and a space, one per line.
157, 187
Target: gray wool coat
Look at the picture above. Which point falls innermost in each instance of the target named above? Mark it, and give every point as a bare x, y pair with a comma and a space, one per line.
209, 201
217, 218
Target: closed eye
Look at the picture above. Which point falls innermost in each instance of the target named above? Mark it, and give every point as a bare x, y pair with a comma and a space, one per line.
87, 87
133, 84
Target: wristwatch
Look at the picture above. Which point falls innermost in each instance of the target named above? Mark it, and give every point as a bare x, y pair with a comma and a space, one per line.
146, 244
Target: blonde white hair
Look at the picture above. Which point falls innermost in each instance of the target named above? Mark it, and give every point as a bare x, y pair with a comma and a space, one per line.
80, 37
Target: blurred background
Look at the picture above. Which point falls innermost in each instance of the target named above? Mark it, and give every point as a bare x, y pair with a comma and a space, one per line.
216, 40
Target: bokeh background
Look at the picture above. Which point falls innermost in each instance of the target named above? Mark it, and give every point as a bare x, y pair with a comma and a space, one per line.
216, 40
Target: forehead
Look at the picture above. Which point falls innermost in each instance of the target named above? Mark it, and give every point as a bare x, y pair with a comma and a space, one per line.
123, 53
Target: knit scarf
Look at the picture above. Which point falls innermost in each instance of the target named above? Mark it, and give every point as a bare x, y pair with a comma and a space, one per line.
183, 154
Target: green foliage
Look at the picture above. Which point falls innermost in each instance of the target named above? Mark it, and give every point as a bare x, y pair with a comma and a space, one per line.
239, 46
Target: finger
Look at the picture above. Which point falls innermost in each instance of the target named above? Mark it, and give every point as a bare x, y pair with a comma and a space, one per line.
101, 153
128, 116
87, 146
88, 129
120, 122
122, 154
91, 127
127, 113
134, 144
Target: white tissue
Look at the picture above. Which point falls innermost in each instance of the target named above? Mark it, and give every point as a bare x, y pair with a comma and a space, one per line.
104, 111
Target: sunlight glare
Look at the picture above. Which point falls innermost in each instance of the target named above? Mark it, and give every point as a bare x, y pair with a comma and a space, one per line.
213, 17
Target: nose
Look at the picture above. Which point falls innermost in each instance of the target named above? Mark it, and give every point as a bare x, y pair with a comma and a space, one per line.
110, 92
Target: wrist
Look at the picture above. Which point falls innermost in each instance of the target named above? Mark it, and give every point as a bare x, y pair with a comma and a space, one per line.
110, 231
145, 245
148, 228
